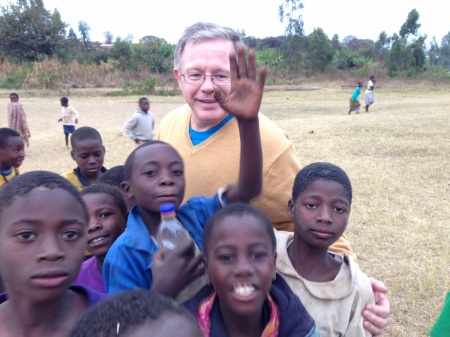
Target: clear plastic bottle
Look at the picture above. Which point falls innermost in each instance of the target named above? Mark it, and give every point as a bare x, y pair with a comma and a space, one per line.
171, 233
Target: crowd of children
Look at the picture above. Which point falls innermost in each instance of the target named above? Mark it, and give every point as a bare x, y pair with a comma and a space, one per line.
258, 281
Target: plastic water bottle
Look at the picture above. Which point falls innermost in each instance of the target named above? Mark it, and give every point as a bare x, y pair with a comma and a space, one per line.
171, 233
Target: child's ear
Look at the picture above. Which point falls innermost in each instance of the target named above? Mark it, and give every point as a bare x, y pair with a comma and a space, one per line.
291, 209
126, 188
72, 155
205, 263
104, 150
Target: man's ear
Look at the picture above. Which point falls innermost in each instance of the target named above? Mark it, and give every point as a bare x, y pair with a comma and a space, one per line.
176, 72
291, 209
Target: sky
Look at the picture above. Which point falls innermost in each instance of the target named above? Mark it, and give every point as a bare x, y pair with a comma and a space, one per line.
167, 19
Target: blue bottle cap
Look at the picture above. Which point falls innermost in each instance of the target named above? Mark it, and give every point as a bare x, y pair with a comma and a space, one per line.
167, 207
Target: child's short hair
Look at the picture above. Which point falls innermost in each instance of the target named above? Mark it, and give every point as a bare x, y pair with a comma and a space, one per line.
23, 184
316, 171
128, 169
143, 99
114, 176
119, 314
113, 191
14, 94
64, 100
85, 132
5, 134
237, 209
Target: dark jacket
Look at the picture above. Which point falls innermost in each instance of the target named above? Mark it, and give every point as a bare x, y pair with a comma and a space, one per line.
294, 319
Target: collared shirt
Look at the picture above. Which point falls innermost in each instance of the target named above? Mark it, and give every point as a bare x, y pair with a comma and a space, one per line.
77, 179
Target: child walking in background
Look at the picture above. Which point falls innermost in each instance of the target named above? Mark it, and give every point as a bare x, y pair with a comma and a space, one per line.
245, 296
154, 175
369, 98
89, 153
12, 154
69, 117
334, 290
17, 119
141, 125
43, 224
354, 99
107, 218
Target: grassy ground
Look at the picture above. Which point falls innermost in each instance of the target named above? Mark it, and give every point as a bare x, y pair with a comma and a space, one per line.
397, 157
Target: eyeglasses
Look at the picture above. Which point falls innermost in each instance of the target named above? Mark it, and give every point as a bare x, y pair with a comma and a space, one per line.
199, 78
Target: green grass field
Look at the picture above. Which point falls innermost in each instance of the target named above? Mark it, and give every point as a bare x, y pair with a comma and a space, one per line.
397, 157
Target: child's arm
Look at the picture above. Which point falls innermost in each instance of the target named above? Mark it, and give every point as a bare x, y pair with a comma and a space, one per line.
130, 125
376, 315
243, 102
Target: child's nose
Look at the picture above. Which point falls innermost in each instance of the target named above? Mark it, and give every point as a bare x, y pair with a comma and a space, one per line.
325, 215
94, 225
51, 249
243, 267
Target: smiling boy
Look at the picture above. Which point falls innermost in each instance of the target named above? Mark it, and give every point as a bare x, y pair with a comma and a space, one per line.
12, 154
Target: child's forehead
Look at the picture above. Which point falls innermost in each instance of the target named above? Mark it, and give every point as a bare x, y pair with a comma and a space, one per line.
326, 186
14, 141
82, 144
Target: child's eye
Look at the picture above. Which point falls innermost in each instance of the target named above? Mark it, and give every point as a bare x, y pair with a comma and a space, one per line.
310, 205
26, 235
257, 255
98, 154
104, 215
178, 173
70, 235
84, 156
339, 209
150, 173
226, 257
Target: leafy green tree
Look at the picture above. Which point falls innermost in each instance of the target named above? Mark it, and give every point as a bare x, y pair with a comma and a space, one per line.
108, 37
382, 46
335, 43
433, 53
122, 55
28, 31
155, 54
411, 26
319, 50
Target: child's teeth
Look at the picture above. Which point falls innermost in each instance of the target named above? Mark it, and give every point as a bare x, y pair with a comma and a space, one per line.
244, 289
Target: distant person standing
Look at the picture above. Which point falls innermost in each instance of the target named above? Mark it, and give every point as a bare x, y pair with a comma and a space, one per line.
17, 119
368, 96
69, 117
354, 102
141, 125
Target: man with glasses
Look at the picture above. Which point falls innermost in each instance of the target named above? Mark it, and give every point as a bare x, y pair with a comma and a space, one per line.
207, 138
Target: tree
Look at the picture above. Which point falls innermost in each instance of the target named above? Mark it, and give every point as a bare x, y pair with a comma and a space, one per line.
289, 11
28, 31
319, 50
433, 53
444, 51
411, 26
335, 43
84, 29
108, 37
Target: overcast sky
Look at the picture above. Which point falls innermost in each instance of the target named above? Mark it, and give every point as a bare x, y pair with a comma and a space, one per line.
167, 19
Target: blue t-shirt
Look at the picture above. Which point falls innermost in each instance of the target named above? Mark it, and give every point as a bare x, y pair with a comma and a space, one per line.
198, 137
128, 264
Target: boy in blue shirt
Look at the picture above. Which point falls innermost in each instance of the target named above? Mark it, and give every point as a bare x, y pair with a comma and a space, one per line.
154, 175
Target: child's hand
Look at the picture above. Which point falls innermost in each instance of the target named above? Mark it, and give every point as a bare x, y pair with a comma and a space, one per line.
246, 92
172, 271
60, 120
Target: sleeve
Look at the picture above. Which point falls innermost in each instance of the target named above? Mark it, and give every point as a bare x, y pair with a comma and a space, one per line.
442, 325
75, 113
362, 296
125, 269
314, 332
130, 125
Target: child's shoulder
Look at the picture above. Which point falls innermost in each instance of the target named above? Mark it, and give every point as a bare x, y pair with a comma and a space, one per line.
90, 296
